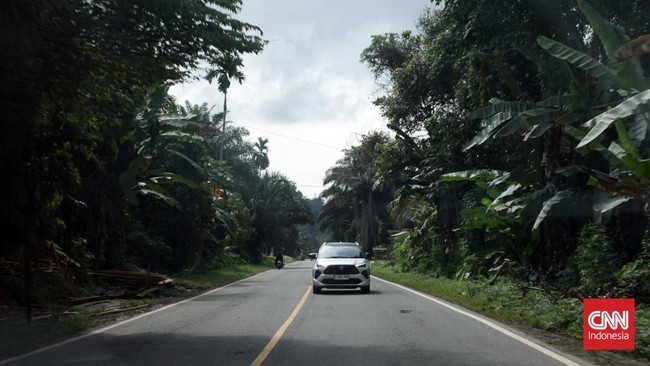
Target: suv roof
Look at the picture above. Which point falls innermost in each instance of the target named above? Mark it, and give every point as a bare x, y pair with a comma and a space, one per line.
340, 243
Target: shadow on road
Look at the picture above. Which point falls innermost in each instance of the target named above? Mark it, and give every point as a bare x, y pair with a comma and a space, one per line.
209, 349
347, 292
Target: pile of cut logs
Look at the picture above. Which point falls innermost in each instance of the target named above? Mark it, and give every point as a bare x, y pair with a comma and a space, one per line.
51, 259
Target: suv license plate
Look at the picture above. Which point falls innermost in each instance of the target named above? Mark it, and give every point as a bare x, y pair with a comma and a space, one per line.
341, 277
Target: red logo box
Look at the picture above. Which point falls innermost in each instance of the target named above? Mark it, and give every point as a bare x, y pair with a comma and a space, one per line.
608, 324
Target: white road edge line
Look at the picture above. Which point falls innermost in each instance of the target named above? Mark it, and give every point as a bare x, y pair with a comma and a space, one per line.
490, 324
101, 330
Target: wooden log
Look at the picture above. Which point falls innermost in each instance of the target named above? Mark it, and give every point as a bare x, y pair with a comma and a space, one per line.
147, 291
115, 311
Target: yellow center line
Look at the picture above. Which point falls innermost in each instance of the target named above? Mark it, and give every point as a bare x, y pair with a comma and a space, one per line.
276, 337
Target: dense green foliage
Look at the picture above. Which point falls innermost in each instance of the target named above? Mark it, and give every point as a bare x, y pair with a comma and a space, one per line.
99, 161
520, 143
355, 206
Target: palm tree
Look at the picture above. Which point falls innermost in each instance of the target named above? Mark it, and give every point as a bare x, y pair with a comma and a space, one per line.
278, 207
261, 157
228, 67
354, 177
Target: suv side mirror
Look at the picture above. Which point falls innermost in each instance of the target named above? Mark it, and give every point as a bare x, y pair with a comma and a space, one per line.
369, 255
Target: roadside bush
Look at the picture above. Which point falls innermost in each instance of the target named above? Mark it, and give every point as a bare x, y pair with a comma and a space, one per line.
147, 250
633, 280
514, 299
424, 250
402, 253
230, 256
642, 330
590, 269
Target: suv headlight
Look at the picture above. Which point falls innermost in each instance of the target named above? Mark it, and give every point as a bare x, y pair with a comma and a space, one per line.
320, 266
362, 265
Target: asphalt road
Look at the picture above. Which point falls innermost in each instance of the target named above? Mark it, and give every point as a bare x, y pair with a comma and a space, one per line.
274, 319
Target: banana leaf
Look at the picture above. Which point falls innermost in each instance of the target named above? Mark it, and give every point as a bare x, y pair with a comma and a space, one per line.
158, 98
639, 127
196, 166
630, 71
507, 193
540, 129
601, 122
498, 112
471, 175
528, 118
548, 205
167, 199
168, 178
486, 132
611, 36
606, 78
605, 202
497, 105
556, 73
624, 138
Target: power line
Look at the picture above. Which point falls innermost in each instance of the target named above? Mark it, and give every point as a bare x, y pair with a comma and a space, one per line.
295, 138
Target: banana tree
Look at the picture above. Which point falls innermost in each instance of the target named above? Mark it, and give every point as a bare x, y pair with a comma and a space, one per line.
124, 167
509, 204
576, 86
629, 169
582, 98
161, 136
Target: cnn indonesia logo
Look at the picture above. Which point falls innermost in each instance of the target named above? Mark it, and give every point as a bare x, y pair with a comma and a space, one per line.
608, 324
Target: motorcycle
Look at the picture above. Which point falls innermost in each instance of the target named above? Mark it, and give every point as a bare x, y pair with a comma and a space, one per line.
279, 264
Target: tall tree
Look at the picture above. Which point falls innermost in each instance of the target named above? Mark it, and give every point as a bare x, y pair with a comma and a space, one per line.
70, 61
278, 208
353, 188
228, 67
467, 53
74, 70
578, 85
261, 153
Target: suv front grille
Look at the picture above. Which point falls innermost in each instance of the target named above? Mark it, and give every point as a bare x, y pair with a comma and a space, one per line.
341, 269
351, 281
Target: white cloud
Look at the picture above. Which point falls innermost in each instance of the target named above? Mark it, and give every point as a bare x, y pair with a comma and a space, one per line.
308, 84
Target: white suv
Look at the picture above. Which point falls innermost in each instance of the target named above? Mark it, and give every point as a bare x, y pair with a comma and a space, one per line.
341, 265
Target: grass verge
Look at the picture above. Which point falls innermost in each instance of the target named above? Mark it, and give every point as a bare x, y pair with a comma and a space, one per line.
537, 312
214, 278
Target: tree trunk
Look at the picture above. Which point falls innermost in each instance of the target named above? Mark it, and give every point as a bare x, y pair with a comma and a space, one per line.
223, 129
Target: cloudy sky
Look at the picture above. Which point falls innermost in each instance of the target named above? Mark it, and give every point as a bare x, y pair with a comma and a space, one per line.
307, 92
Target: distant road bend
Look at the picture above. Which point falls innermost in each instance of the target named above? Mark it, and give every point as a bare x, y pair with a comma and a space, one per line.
274, 319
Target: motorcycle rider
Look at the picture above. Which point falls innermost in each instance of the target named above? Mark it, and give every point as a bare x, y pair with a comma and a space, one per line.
279, 258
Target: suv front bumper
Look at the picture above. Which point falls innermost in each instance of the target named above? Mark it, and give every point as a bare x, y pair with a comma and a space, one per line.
340, 276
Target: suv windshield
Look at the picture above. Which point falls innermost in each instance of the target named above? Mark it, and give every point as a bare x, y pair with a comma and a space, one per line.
340, 252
